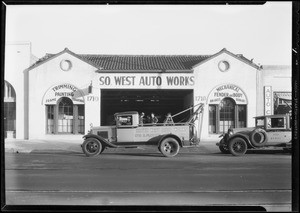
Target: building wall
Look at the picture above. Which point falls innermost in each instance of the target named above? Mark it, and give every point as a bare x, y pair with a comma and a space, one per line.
208, 77
34, 85
17, 59
45, 76
278, 77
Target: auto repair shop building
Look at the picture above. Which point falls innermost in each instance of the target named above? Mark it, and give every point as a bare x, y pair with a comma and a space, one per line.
60, 96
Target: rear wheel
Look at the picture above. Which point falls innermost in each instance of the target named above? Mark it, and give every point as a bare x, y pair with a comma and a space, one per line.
237, 146
169, 147
92, 147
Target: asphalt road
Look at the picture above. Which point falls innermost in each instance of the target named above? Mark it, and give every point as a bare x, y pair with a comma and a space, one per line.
147, 178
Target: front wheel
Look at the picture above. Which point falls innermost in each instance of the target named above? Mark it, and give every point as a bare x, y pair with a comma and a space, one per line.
92, 147
237, 146
169, 147
224, 148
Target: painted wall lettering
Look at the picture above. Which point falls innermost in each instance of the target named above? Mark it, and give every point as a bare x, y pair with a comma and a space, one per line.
200, 98
92, 98
63, 90
227, 91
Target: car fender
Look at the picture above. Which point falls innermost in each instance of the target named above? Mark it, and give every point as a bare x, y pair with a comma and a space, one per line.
244, 136
101, 139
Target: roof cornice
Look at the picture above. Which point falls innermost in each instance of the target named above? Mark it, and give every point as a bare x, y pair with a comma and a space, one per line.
224, 50
66, 50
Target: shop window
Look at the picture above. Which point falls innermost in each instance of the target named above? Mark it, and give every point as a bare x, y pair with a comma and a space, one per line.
9, 115
282, 102
65, 117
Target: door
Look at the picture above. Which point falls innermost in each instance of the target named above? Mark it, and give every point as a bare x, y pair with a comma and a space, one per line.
65, 116
227, 112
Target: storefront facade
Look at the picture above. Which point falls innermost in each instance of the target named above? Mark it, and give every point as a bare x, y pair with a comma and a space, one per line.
67, 93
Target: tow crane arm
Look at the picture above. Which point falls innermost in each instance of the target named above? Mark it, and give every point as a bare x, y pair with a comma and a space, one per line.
193, 116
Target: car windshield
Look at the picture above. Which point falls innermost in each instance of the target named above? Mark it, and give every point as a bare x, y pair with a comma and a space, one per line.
124, 120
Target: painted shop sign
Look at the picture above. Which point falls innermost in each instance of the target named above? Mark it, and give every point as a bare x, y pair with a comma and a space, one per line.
227, 91
268, 100
146, 80
63, 90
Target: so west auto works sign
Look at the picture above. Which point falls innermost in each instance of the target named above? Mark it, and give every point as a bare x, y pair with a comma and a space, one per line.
138, 80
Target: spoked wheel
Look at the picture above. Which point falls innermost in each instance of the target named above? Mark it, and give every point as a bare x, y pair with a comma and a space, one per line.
224, 149
92, 147
169, 147
237, 146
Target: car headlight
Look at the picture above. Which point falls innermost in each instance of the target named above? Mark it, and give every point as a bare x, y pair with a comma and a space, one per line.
230, 132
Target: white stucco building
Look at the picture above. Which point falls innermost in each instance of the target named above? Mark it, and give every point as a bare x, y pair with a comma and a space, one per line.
62, 94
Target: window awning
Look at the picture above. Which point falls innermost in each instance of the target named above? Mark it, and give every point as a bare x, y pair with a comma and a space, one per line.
283, 95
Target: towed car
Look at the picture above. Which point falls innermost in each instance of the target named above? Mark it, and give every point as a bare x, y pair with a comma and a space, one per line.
269, 131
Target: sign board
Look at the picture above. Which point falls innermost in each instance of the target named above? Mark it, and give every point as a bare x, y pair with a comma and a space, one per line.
268, 99
63, 90
142, 81
227, 91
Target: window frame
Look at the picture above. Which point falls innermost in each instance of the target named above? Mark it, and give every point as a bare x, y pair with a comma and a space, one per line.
77, 127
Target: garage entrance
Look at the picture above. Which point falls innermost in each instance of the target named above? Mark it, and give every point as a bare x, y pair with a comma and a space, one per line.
160, 102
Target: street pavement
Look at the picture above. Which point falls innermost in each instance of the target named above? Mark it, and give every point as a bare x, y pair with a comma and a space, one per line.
205, 171
67, 146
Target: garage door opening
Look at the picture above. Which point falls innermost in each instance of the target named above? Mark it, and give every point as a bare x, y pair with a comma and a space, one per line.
160, 102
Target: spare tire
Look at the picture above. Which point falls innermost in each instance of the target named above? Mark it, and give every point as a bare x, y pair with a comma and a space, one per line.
258, 137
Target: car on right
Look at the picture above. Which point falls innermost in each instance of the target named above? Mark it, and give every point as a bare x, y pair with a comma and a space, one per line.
269, 131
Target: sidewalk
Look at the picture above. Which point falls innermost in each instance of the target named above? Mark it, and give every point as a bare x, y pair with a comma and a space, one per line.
74, 146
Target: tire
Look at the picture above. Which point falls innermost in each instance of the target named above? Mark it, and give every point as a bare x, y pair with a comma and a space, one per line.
224, 148
258, 137
169, 147
237, 146
92, 147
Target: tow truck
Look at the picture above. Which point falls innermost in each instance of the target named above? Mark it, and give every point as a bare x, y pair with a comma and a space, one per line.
168, 136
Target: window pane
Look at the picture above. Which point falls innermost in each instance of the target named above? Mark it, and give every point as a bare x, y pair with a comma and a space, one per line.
227, 107
242, 115
50, 119
124, 120
277, 122
65, 116
80, 119
212, 119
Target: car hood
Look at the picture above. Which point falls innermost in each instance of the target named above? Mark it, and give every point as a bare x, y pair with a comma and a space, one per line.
245, 129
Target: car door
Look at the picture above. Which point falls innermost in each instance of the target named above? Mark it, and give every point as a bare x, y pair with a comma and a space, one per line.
277, 137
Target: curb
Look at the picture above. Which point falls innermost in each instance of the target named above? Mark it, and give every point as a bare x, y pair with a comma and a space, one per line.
39, 146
